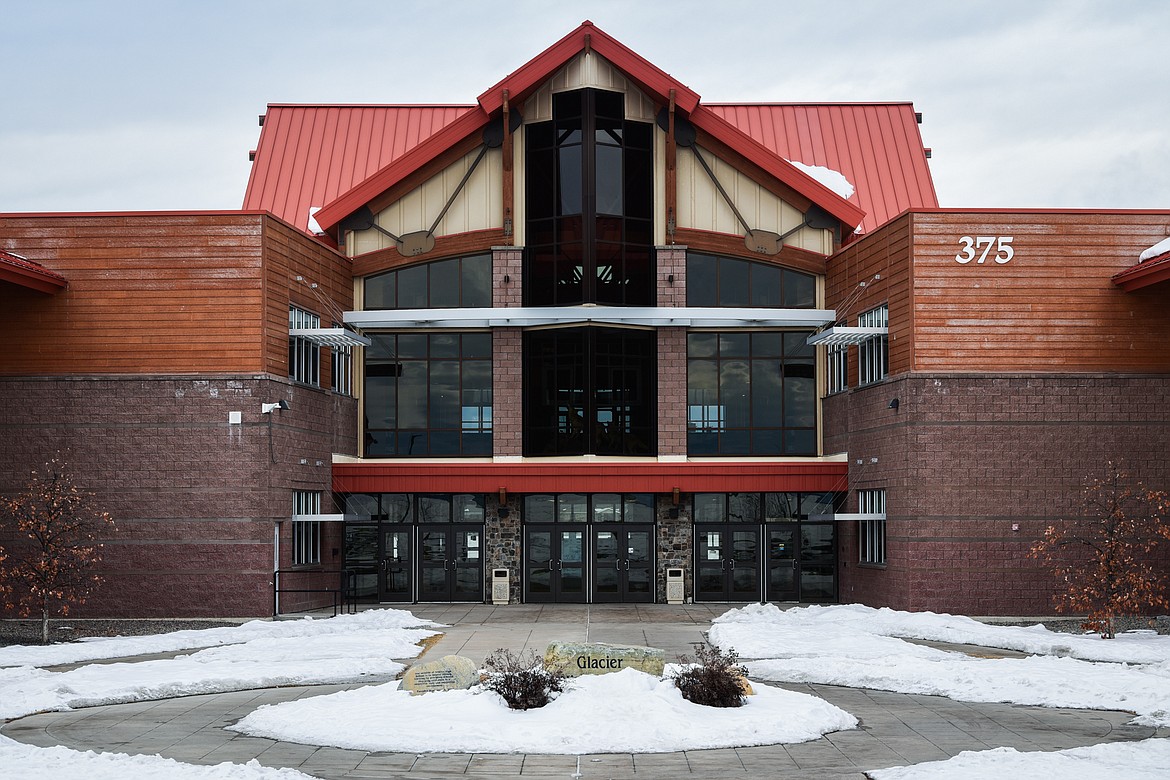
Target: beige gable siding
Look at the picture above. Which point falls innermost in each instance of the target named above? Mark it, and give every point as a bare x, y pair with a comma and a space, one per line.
702, 207
588, 69
477, 207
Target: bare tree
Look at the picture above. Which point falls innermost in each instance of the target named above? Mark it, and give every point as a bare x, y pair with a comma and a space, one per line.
1105, 560
52, 546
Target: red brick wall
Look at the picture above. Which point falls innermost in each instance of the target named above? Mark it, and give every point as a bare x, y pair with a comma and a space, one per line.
507, 396
967, 457
672, 391
194, 497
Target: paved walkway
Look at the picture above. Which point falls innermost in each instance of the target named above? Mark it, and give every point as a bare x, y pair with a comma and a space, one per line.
895, 728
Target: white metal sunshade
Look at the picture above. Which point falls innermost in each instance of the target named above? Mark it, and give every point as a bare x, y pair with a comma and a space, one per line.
529, 316
837, 336
841, 517
331, 337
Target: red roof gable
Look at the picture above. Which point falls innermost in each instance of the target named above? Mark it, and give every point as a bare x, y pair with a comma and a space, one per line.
20, 270
330, 156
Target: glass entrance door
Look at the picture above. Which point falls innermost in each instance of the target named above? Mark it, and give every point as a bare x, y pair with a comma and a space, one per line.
727, 562
554, 564
450, 563
783, 583
623, 564
394, 569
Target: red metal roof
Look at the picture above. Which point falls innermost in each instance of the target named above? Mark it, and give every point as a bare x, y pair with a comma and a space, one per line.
342, 157
1144, 274
310, 155
20, 270
876, 146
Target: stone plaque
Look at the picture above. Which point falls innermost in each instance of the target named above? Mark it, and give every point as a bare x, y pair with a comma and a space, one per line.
449, 673
578, 658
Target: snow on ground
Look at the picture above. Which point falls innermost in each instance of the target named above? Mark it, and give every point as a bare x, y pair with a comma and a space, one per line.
261, 663
856, 646
120, 647
33, 763
625, 712
1145, 760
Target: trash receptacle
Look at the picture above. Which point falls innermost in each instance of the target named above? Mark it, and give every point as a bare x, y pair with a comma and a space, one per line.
501, 586
675, 591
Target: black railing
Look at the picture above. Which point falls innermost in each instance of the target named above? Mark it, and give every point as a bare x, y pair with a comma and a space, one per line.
318, 588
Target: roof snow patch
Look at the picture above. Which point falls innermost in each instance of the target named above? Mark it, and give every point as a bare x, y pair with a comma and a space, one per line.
1160, 248
834, 180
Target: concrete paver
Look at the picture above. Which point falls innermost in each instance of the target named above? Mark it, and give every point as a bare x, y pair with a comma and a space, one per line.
895, 728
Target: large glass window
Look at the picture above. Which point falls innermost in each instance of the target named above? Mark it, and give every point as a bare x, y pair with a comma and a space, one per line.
729, 281
415, 508
590, 390
589, 202
751, 393
428, 394
454, 283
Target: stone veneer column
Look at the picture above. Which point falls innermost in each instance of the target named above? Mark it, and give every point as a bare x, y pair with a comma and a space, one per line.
507, 355
672, 262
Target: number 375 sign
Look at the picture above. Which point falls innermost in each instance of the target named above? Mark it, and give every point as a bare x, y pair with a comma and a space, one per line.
977, 248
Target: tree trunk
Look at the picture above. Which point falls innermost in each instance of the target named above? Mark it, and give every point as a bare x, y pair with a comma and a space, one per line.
45, 626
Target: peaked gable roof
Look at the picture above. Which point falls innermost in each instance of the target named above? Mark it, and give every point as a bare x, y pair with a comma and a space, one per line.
305, 161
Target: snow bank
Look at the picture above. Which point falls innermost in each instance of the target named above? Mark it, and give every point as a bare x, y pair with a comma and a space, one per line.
1145, 760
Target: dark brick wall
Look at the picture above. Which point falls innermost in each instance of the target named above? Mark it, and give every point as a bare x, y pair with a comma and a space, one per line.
975, 467
196, 499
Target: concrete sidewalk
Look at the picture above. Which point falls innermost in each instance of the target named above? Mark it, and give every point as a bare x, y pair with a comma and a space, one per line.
895, 728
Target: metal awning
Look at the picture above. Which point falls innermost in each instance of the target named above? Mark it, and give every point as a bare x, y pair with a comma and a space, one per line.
529, 316
318, 518
331, 337
841, 517
837, 336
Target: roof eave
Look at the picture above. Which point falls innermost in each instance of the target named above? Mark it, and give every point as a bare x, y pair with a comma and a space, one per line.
42, 281
1145, 274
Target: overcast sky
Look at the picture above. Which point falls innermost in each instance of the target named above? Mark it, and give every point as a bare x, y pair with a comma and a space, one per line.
153, 105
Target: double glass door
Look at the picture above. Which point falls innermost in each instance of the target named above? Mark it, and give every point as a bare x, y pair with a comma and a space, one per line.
429, 563
589, 563
623, 564
727, 562
554, 564
776, 562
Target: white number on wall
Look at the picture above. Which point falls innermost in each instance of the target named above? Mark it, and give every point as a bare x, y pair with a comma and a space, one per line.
980, 246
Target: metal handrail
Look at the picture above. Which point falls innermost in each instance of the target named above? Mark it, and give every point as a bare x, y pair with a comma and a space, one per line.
342, 593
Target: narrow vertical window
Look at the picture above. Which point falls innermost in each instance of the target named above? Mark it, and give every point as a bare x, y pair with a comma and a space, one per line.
871, 532
304, 357
837, 368
306, 534
873, 353
342, 368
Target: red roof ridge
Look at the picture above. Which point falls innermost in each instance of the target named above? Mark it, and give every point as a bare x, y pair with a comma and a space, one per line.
528, 77
726, 103
371, 105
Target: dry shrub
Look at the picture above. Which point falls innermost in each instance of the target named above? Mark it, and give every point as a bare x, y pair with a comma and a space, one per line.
521, 679
714, 680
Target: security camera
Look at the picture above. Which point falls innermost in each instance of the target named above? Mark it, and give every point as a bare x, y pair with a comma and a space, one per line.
270, 408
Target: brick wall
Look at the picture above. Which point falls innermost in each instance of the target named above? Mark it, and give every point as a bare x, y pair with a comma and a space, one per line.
507, 392
672, 261
975, 467
194, 497
672, 391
